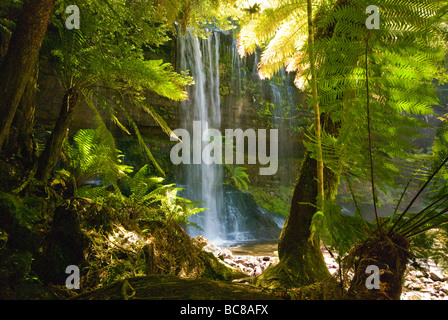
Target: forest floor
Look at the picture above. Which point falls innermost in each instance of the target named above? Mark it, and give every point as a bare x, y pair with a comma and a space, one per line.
146, 259
424, 281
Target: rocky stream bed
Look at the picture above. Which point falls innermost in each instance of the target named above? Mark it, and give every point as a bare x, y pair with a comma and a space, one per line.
424, 280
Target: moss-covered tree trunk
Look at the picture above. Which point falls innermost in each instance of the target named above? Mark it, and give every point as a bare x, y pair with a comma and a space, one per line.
301, 260
21, 57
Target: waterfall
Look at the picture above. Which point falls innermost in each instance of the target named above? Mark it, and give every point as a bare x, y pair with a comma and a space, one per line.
231, 215
204, 182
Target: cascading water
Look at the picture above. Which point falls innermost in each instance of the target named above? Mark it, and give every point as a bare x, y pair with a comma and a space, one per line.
204, 181
231, 215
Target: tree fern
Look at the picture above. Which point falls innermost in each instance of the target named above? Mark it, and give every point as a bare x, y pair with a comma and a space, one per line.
392, 69
398, 88
148, 191
281, 30
400, 61
111, 55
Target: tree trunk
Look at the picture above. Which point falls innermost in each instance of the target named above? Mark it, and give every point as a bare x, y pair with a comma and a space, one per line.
390, 254
315, 104
19, 62
49, 157
21, 141
169, 287
301, 260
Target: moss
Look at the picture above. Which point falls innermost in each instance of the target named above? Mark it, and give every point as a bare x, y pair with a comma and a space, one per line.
297, 269
213, 268
160, 287
275, 200
327, 289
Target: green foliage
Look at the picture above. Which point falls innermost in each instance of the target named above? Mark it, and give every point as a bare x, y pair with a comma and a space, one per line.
198, 14
92, 155
432, 245
316, 226
439, 186
22, 209
340, 231
281, 30
239, 177
276, 200
388, 72
147, 198
381, 84
174, 207
393, 69
106, 60
148, 191
403, 57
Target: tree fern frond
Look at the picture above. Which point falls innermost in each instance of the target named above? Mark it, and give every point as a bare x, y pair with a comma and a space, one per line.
260, 30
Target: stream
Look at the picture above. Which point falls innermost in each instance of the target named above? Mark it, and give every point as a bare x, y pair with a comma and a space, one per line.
253, 248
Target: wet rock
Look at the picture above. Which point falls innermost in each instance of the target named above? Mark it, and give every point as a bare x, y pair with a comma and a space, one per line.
412, 296
241, 266
230, 262
425, 281
444, 288
255, 220
239, 260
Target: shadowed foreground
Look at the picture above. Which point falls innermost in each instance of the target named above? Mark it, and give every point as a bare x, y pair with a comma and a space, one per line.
158, 287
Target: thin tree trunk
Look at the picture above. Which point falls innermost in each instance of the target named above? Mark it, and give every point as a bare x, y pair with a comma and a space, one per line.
315, 103
49, 157
19, 62
301, 260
